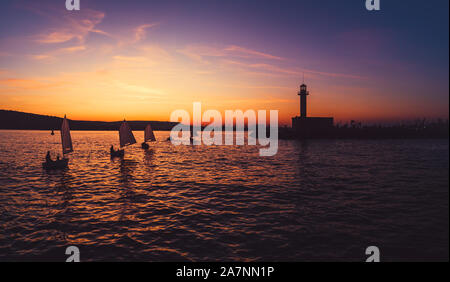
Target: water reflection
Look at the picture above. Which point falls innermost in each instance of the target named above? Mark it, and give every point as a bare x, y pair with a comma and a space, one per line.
127, 167
303, 159
65, 214
315, 199
148, 157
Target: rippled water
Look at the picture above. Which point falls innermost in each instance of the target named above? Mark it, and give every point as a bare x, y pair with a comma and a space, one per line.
315, 200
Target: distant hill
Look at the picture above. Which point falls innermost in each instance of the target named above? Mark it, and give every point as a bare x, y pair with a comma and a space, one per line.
27, 121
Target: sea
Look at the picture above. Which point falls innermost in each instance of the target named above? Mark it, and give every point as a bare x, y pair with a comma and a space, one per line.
315, 200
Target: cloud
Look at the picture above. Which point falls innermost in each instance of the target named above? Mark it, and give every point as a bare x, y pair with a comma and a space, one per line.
284, 70
70, 26
250, 61
26, 84
201, 53
138, 89
53, 54
233, 49
155, 52
40, 57
55, 37
258, 87
139, 59
140, 32
73, 49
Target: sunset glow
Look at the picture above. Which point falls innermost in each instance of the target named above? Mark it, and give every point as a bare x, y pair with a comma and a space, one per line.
144, 60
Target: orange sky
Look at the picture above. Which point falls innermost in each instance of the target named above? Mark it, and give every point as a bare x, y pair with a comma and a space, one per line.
84, 64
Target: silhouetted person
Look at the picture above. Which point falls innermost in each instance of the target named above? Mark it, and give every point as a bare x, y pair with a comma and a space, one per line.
48, 158
57, 158
111, 149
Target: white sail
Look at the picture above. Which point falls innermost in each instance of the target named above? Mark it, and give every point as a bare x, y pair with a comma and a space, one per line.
66, 140
126, 135
148, 134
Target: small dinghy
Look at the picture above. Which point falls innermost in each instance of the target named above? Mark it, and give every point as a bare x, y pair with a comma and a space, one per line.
126, 138
66, 142
117, 154
149, 136
58, 164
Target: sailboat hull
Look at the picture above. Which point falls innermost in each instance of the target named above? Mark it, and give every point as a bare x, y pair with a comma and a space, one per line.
117, 154
54, 165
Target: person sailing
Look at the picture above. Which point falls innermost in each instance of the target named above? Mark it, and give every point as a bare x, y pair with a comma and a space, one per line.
48, 158
66, 142
111, 149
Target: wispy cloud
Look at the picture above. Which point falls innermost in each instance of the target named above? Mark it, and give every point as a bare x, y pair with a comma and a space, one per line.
140, 32
52, 55
70, 26
27, 84
55, 37
258, 87
73, 49
40, 57
245, 52
138, 88
201, 53
130, 58
251, 61
155, 52
284, 70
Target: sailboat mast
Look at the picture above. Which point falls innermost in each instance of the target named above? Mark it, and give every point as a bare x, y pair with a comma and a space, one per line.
62, 137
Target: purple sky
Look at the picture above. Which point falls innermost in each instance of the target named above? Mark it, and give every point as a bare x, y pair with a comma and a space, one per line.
147, 58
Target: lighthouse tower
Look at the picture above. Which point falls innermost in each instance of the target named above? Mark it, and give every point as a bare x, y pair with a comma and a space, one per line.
303, 93
310, 127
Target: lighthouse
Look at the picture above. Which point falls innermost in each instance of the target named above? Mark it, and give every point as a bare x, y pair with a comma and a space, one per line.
303, 93
310, 127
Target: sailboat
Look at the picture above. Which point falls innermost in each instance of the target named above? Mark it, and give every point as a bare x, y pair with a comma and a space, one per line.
66, 142
149, 136
126, 138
